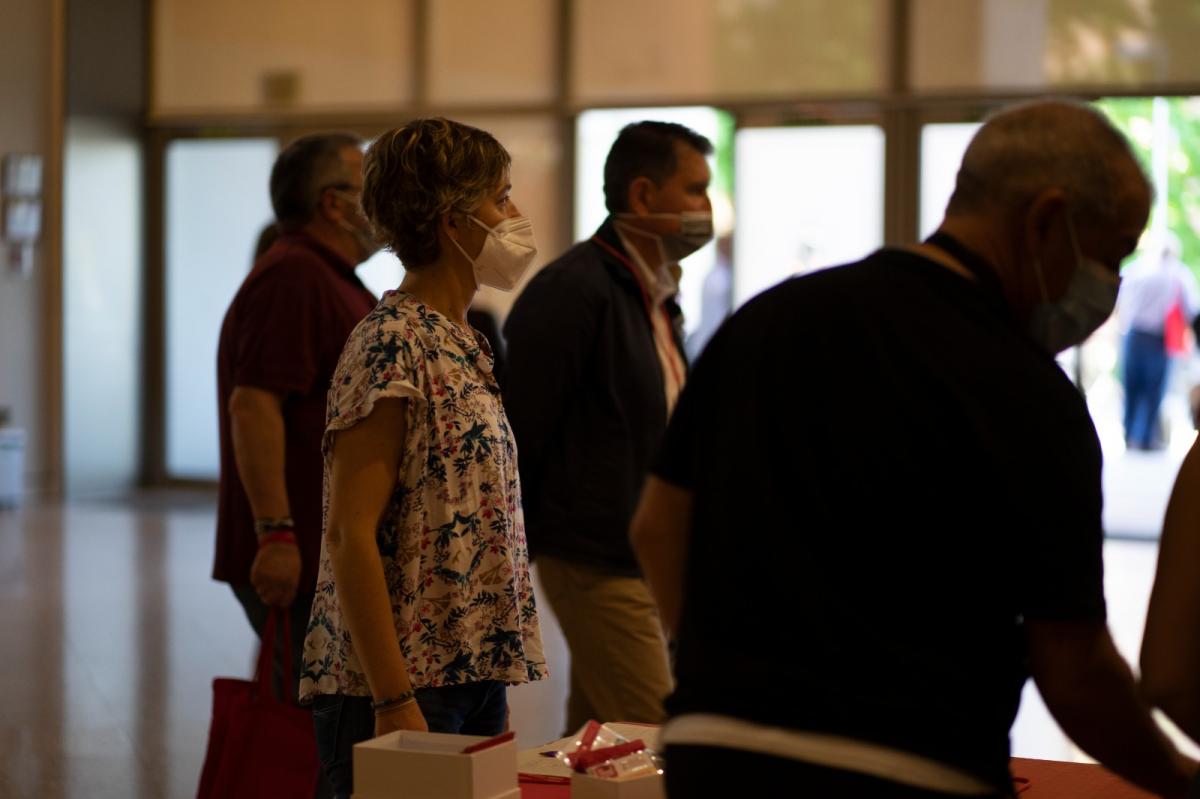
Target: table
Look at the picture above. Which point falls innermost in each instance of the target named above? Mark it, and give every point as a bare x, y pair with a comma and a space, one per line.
1052, 779
1048, 779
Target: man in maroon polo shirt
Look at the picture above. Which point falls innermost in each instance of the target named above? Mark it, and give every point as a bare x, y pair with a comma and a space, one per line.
280, 341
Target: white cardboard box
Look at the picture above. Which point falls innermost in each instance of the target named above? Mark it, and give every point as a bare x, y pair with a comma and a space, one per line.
431, 765
584, 786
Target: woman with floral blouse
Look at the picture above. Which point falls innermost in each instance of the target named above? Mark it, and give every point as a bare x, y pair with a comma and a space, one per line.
424, 610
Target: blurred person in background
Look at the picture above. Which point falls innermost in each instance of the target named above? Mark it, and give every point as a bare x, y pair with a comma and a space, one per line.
1159, 300
280, 340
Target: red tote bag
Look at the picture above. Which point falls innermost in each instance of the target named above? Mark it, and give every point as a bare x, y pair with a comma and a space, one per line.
1175, 329
258, 746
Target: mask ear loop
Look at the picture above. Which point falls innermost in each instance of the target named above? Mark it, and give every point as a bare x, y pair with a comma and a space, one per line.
1037, 262
1041, 279
454, 241
1081, 263
345, 225
1074, 242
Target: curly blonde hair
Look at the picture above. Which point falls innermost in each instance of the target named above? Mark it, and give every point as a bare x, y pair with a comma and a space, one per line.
414, 174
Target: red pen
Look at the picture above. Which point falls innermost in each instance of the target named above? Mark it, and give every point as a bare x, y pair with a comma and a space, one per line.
586, 760
504, 737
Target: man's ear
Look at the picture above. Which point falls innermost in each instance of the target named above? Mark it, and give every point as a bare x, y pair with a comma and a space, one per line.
641, 195
1043, 218
328, 206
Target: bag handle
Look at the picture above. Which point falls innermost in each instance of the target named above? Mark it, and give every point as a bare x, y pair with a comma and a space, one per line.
266, 653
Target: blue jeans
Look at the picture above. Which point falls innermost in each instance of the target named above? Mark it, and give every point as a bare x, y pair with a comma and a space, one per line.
342, 721
1145, 371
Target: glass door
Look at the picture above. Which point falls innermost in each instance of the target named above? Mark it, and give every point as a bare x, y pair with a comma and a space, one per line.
217, 202
806, 197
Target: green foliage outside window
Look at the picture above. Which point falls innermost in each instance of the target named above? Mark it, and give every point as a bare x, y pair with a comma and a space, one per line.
1134, 116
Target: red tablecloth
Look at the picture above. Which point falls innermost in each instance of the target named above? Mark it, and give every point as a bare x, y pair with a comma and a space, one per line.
1052, 779
1048, 779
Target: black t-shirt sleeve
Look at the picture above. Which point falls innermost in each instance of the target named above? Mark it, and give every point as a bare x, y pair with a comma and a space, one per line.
1060, 568
676, 459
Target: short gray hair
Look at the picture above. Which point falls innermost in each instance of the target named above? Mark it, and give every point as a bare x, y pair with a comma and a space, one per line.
1025, 149
303, 170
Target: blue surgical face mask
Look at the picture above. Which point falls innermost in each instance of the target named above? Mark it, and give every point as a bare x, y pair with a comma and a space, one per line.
1088, 301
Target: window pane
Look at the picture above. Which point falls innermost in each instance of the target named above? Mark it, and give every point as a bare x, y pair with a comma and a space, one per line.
217, 202
102, 314
807, 198
965, 44
1120, 379
942, 148
629, 50
236, 55
381, 272
704, 286
492, 52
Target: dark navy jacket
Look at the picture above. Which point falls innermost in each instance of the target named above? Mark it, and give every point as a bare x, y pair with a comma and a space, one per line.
584, 394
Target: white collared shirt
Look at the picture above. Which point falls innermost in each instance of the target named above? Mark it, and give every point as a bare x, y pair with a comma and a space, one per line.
660, 286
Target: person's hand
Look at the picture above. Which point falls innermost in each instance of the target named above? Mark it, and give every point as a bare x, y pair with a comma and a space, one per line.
405, 717
275, 573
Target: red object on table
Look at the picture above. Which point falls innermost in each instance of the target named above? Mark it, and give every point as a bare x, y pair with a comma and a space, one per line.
502, 738
1048, 779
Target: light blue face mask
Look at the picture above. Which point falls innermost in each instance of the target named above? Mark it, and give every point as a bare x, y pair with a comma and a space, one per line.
1088, 301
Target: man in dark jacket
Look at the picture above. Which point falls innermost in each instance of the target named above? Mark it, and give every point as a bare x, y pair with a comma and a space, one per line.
595, 365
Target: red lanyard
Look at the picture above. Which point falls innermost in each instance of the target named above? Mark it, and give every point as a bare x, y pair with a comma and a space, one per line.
620, 256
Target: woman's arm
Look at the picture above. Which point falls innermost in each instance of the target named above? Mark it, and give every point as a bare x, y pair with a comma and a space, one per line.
1170, 659
365, 462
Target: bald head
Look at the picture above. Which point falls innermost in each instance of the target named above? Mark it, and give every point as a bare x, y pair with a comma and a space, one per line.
1022, 151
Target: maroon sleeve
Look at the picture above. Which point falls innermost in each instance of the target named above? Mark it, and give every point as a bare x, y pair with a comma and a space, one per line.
279, 321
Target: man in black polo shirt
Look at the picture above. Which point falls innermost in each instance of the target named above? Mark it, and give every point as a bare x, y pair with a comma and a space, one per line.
878, 507
595, 365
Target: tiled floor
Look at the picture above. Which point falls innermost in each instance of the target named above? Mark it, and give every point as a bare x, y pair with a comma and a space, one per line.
112, 632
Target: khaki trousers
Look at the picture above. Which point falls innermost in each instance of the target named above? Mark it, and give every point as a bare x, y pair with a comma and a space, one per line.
619, 667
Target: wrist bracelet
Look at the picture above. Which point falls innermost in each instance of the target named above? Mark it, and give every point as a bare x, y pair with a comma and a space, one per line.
384, 705
265, 524
277, 537
384, 711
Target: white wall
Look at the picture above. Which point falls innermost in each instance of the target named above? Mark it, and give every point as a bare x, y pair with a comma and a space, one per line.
214, 55
29, 355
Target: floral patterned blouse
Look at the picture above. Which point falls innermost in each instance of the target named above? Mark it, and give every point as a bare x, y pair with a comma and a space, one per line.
452, 538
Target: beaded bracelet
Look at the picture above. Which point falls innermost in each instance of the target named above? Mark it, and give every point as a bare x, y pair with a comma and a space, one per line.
277, 537
264, 524
384, 705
